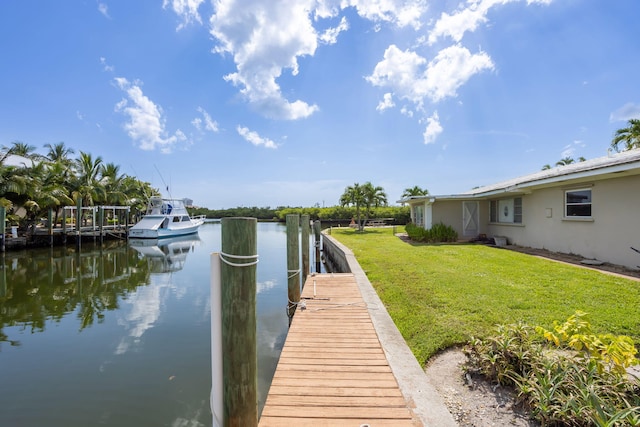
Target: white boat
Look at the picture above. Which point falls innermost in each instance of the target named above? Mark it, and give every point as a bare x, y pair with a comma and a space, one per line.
166, 218
165, 255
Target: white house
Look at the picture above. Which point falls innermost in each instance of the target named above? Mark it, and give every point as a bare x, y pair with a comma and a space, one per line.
590, 208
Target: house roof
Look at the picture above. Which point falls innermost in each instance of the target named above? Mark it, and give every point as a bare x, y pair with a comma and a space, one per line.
612, 165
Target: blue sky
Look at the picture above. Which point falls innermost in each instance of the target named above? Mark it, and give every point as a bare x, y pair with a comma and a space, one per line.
274, 103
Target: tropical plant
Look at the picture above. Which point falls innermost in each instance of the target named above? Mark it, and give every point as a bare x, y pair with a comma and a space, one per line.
365, 197
354, 196
628, 137
414, 191
561, 387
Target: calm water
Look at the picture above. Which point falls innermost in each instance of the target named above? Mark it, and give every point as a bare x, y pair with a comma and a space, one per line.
120, 336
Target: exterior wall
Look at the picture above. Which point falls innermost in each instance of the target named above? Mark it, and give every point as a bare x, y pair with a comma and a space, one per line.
449, 212
607, 236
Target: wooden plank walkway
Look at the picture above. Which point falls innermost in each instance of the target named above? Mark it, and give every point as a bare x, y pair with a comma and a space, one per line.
332, 370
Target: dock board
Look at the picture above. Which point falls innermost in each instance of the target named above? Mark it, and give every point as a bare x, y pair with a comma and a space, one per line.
332, 370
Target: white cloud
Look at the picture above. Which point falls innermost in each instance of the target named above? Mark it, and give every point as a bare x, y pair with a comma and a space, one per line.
411, 77
146, 125
399, 12
570, 149
433, 128
103, 9
106, 67
254, 138
626, 112
187, 10
330, 36
407, 112
209, 124
264, 38
387, 102
468, 18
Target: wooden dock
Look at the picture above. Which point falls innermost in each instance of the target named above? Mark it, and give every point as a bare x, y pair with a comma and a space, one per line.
332, 370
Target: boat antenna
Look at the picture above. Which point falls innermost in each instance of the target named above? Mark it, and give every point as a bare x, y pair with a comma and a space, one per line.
163, 181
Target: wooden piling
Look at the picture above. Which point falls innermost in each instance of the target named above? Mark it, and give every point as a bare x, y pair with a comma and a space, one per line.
293, 263
64, 226
304, 244
238, 294
316, 231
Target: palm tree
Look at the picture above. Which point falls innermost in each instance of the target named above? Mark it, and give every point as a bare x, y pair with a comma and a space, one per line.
546, 167
373, 197
87, 184
629, 137
354, 196
565, 161
414, 191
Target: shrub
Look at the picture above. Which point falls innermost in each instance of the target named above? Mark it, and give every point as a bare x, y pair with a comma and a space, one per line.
564, 386
436, 234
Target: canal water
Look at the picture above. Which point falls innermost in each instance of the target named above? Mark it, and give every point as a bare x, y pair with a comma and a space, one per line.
119, 335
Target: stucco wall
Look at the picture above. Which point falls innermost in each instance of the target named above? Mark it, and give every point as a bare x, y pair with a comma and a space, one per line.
614, 227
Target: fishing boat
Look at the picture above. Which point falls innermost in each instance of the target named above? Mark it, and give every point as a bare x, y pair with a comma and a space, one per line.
166, 218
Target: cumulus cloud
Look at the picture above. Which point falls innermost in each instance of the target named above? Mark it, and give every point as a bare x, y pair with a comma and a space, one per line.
411, 77
399, 12
205, 123
626, 112
146, 121
387, 102
187, 10
433, 128
468, 18
254, 138
265, 38
330, 36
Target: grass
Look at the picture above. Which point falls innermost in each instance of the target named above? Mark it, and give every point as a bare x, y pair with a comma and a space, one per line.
443, 295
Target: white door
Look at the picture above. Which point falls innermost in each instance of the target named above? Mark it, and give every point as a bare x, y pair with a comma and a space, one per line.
470, 219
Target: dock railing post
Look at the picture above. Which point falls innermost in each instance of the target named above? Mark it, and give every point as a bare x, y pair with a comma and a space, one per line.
50, 226
78, 221
304, 244
238, 323
293, 263
101, 223
3, 225
64, 225
316, 231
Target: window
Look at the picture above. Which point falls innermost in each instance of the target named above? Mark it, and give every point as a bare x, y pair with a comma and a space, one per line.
418, 214
577, 203
507, 211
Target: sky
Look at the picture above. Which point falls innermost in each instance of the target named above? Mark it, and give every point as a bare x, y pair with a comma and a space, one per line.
287, 102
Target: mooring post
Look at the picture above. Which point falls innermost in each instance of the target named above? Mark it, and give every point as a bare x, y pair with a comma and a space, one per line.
238, 299
293, 263
304, 244
316, 231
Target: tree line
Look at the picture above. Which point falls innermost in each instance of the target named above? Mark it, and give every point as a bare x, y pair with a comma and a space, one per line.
58, 179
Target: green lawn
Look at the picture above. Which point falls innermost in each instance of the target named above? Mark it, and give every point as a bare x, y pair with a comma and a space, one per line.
441, 295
